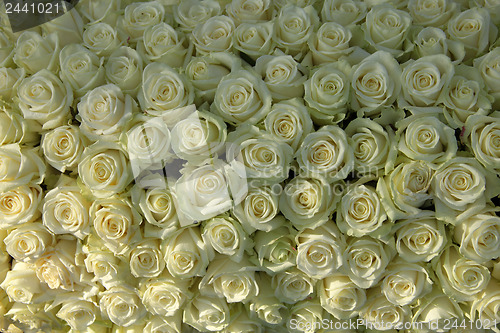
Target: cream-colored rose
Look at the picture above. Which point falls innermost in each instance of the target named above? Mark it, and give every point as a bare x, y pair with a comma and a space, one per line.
185, 253
478, 236
249, 11
161, 43
45, 98
146, 259
379, 314
420, 238
138, 16
282, 74
435, 309
326, 154
307, 202
14, 128
375, 82
165, 93
433, 41
360, 212
492, 6
9, 81
387, 28
262, 156
69, 28
292, 285
66, 211
244, 323
121, 305
106, 267
304, 316
483, 136
207, 313
20, 166
63, 147
164, 295
289, 121
266, 306
254, 39
319, 250
124, 68
434, 13
21, 283
465, 96
405, 189
485, 305
188, 14
233, 281
101, 38
343, 12
472, 27
116, 222
327, 92
226, 236
340, 296
365, 260
279, 4
489, 67
213, 35
28, 242
104, 169
81, 68
242, 97
6, 50
34, 52
99, 11
163, 324
371, 143
405, 283
19, 205
330, 43
78, 313
461, 278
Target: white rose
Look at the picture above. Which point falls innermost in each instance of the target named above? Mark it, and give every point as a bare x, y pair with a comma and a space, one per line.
101, 38
185, 253
282, 74
81, 68
292, 285
165, 93
20, 166
482, 135
106, 267
405, 189
263, 157
276, 250
249, 11
242, 97
465, 96
66, 211
484, 307
161, 43
461, 278
492, 6
379, 313
305, 315
371, 143
138, 16
146, 259
164, 295
266, 306
404, 283
226, 236
432, 41
213, 35
474, 29
307, 202
375, 82
162, 324
9, 81
340, 296
344, 12
116, 222
254, 39
437, 308
34, 52
188, 14
45, 98
124, 68
63, 147
207, 313
387, 28
327, 92
28, 242
360, 212
244, 323
435, 13
420, 238
19, 205
78, 314
6, 50
319, 250
326, 154
69, 28
330, 43
121, 305
365, 260
99, 11
104, 169
21, 283
488, 65
14, 128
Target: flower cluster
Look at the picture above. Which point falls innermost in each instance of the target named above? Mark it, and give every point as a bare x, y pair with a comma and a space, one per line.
250, 166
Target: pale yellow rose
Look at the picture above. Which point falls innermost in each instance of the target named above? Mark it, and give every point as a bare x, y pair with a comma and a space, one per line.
214, 35
63, 147
292, 285
432, 41
121, 305
207, 313
146, 259
276, 250
482, 134
78, 313
344, 12
101, 38
99, 11
188, 14
34, 52
381, 315
124, 68
9, 81
340, 296
138, 16
20, 166
20, 205
434, 13
254, 39
21, 284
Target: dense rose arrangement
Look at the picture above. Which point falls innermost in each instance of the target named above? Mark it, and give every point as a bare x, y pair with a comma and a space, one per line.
251, 166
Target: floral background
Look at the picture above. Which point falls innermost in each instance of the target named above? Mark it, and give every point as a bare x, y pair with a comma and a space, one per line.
251, 166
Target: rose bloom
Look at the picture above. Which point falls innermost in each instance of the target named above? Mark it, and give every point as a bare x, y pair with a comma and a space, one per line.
292, 285
15, 129
254, 39
9, 81
78, 314
485, 305
344, 12
379, 310
249, 11
99, 11
266, 306
139, 16
188, 14
124, 68
437, 307
276, 250
434, 13
207, 313
19, 205
121, 305
20, 166
63, 147
340, 296
305, 314
21, 283
483, 135
330, 43
214, 35
433, 41
28, 242
101, 38
34, 52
